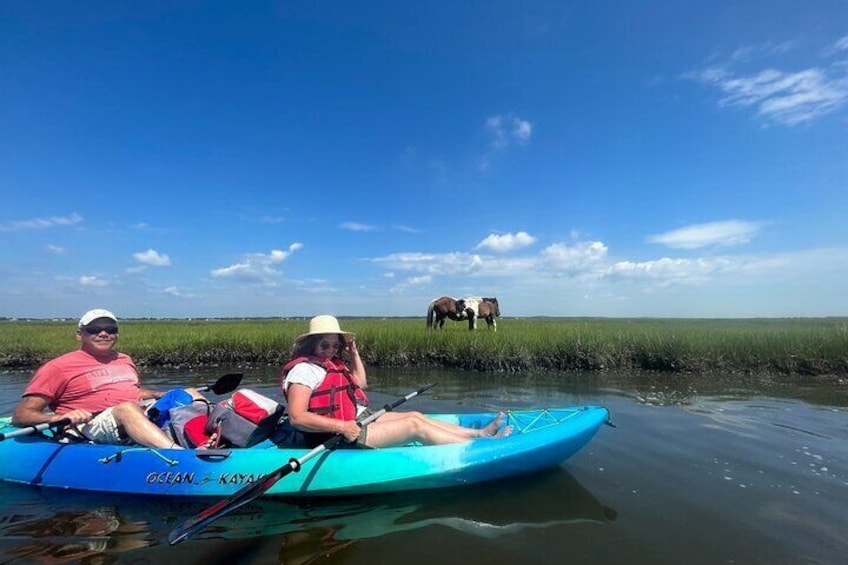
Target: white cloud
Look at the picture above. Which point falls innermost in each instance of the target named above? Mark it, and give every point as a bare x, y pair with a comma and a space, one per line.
509, 128
178, 293
785, 97
411, 282
42, 223
92, 280
257, 267
278, 256
573, 259
55, 249
407, 229
727, 233
666, 271
841, 44
356, 226
152, 258
506, 242
522, 130
768, 49
570, 266
432, 263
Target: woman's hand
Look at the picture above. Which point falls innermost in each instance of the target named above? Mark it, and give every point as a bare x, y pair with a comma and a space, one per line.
349, 429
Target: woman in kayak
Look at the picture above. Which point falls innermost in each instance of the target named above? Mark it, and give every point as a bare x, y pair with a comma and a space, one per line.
325, 397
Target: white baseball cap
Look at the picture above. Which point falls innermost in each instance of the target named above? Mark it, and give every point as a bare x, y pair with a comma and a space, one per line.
92, 315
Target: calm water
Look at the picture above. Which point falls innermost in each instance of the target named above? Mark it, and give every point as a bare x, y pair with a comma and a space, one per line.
690, 475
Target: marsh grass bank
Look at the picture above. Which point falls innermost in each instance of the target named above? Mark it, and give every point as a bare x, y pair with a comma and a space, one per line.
789, 347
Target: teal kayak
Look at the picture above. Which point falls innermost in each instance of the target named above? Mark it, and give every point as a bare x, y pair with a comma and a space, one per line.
540, 439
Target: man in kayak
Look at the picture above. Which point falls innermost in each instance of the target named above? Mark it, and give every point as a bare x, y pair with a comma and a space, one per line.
95, 387
325, 397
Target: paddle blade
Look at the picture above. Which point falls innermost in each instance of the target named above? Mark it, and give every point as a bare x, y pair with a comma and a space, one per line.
247, 494
227, 383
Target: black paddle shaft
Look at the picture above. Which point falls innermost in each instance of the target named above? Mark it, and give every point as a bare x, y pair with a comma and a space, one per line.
254, 490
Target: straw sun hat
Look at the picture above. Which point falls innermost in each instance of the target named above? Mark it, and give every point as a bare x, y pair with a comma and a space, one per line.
323, 325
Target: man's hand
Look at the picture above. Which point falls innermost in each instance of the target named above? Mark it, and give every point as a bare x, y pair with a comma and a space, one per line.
78, 416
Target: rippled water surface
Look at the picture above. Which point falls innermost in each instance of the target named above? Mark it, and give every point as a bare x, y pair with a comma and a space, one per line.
693, 473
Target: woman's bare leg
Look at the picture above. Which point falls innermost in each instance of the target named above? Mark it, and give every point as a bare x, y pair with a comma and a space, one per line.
400, 431
489, 430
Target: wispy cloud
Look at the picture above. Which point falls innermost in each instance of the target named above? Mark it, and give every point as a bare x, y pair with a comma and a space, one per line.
785, 97
406, 229
152, 258
838, 47
572, 259
589, 262
724, 234
42, 223
501, 243
360, 227
257, 267
507, 129
178, 293
664, 272
409, 283
356, 226
272, 219
56, 250
92, 280
762, 50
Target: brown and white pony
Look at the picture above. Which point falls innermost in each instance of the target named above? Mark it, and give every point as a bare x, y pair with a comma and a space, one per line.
445, 307
485, 308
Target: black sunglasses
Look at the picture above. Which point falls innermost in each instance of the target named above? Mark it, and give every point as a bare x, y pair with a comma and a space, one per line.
94, 330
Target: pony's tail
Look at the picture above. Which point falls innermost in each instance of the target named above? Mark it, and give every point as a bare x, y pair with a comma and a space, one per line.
431, 314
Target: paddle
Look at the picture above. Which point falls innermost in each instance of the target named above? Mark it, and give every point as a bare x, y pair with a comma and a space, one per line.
254, 490
37, 428
223, 385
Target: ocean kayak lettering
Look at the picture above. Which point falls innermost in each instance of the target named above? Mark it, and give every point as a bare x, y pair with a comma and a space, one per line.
171, 478
236, 478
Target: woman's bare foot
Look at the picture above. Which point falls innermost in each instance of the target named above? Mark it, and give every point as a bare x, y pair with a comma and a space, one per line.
505, 432
211, 443
491, 429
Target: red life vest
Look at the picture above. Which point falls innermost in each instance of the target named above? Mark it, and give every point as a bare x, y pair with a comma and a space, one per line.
337, 396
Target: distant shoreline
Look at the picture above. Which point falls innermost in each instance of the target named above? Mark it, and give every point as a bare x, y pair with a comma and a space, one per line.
785, 348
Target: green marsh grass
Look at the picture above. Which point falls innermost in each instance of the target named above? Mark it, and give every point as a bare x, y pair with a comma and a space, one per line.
805, 346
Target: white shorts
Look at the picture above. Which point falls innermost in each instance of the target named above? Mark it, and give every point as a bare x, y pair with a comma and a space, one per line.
103, 428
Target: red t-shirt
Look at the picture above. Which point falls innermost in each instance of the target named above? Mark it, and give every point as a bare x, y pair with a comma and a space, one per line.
80, 380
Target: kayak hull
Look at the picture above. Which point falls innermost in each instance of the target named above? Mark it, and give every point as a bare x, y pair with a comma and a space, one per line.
541, 439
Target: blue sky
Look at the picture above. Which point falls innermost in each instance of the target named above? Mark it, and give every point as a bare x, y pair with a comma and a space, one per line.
616, 158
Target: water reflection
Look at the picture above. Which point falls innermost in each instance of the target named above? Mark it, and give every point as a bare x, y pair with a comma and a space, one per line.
488, 510
71, 536
58, 527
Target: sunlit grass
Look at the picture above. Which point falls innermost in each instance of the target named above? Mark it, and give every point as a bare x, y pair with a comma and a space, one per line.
792, 346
